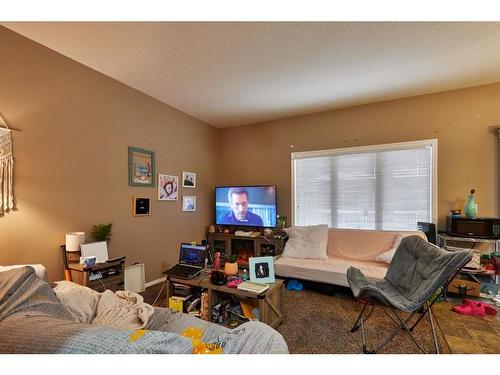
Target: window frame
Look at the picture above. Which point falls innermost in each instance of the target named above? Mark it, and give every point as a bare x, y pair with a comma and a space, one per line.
433, 143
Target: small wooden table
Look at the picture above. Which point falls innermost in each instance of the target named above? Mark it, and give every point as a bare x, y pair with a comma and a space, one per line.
270, 302
112, 275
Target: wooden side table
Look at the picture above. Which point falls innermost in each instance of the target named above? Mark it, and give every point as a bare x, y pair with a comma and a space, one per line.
270, 302
112, 275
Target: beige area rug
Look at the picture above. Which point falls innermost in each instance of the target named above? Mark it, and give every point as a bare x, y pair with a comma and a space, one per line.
321, 323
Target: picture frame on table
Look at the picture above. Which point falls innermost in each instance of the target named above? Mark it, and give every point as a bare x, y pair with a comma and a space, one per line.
188, 203
261, 270
189, 180
141, 167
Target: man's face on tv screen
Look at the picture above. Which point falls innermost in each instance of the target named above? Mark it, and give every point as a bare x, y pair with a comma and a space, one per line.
239, 205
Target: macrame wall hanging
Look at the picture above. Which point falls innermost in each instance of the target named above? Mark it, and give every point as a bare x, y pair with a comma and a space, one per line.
6, 168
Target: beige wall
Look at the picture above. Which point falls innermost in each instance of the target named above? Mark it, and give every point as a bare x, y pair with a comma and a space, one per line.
460, 120
76, 125
71, 161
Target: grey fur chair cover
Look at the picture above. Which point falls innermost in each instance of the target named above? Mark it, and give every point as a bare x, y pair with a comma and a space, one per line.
417, 269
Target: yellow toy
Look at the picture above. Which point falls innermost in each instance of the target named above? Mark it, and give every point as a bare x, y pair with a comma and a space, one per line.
200, 347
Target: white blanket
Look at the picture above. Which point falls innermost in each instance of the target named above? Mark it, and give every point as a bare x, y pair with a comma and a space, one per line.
122, 309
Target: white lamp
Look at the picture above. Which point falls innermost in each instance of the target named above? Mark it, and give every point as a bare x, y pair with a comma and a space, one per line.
74, 240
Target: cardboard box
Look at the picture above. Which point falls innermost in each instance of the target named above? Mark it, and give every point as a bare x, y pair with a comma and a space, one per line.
462, 284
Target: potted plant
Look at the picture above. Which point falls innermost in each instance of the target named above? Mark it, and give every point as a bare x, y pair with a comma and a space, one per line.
102, 232
231, 265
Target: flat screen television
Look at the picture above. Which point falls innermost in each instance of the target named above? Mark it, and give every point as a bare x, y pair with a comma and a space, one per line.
246, 206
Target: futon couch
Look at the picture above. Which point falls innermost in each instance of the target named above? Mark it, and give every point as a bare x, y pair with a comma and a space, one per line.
345, 248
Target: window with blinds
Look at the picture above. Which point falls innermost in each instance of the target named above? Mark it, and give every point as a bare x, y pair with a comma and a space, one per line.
386, 187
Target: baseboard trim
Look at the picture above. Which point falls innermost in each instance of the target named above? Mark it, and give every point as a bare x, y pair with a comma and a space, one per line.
154, 282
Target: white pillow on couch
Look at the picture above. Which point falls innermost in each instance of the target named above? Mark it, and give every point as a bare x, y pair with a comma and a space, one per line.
309, 242
387, 256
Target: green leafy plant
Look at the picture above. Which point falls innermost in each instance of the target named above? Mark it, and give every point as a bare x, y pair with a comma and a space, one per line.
231, 258
281, 221
102, 232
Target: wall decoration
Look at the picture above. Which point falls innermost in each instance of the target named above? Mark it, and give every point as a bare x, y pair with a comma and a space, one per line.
189, 179
7, 202
261, 270
168, 187
188, 203
141, 206
141, 167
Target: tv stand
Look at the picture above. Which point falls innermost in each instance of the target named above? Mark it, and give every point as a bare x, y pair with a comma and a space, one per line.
246, 246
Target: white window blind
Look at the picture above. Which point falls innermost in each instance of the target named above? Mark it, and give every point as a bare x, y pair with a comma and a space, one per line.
387, 187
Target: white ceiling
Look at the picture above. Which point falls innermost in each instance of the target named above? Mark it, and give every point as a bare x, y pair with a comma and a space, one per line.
236, 73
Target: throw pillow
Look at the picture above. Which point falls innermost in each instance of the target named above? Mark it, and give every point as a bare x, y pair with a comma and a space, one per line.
387, 256
307, 242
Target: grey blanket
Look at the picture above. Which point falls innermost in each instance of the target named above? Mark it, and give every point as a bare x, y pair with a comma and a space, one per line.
33, 320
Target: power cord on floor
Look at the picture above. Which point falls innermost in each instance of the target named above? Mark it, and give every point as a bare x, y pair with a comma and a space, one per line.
104, 286
159, 293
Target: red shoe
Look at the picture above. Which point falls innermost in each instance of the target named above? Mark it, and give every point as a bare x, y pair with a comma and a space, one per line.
488, 309
472, 309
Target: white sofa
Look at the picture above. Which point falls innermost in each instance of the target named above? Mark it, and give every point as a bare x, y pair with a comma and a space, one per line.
346, 248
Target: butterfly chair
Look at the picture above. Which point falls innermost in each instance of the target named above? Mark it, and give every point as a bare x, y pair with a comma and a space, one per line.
418, 274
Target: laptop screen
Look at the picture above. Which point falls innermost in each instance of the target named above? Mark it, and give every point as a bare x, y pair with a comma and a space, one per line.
192, 255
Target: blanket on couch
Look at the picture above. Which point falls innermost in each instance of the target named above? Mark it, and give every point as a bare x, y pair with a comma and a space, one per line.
122, 309
34, 320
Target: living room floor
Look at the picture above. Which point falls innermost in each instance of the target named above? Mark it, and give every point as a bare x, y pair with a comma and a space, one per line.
468, 334
318, 320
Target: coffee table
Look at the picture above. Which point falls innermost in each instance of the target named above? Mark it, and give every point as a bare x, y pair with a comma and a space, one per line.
270, 302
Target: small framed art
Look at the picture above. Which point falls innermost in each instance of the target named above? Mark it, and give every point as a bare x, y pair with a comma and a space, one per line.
141, 206
261, 270
168, 187
141, 167
189, 179
188, 203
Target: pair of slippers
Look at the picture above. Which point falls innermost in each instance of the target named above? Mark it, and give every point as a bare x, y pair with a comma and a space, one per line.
474, 308
294, 285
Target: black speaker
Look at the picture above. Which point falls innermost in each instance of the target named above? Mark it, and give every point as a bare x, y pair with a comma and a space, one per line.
218, 278
430, 231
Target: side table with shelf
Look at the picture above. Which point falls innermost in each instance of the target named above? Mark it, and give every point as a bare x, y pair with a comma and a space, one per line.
269, 302
100, 276
467, 283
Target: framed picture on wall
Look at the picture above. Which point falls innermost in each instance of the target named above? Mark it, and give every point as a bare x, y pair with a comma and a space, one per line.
141, 206
189, 179
141, 167
188, 203
168, 187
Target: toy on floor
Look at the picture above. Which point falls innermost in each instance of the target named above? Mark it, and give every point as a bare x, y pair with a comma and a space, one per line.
294, 285
474, 308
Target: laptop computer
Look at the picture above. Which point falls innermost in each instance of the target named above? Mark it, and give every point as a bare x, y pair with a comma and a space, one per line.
191, 261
